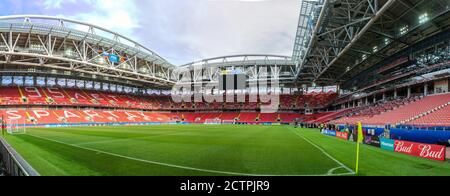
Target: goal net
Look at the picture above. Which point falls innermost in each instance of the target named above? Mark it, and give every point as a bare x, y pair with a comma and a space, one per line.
15, 127
228, 122
214, 121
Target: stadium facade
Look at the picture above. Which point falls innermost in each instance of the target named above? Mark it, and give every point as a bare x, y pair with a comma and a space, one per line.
381, 62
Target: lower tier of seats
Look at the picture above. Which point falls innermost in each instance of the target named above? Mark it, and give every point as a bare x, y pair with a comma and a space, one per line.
72, 116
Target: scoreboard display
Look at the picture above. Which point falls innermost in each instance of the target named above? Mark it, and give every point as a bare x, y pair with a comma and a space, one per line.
232, 80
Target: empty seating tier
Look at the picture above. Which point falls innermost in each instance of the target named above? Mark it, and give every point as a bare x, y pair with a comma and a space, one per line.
430, 110
55, 96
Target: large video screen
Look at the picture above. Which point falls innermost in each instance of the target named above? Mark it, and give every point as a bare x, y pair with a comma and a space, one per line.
232, 81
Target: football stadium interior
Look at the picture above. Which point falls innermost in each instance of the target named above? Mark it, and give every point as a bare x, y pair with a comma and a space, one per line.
79, 99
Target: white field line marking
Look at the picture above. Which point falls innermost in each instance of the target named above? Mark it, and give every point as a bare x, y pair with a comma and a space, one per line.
325, 153
330, 172
172, 165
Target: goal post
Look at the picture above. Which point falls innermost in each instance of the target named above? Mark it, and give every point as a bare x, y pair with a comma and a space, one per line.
213, 121
228, 122
15, 126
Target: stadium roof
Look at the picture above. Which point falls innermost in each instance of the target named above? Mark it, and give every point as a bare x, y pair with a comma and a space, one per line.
338, 39
49, 36
69, 45
255, 66
243, 60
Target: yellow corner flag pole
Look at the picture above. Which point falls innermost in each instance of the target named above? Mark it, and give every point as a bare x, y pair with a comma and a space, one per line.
359, 141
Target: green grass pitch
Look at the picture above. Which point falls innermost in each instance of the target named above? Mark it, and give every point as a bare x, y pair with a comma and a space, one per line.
217, 150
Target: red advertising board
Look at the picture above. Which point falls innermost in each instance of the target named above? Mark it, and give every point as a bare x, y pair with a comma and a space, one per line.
342, 135
429, 151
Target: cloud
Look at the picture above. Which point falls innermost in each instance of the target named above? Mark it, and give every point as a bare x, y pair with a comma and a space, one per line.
52, 4
114, 15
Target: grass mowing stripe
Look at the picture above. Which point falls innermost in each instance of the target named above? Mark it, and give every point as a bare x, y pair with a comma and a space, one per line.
127, 139
171, 165
324, 152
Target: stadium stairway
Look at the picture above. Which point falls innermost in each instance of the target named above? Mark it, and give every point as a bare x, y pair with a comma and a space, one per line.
10, 96
32, 95
328, 117
272, 117
289, 117
312, 118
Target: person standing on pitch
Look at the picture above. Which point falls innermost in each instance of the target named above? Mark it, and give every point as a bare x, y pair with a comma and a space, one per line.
3, 126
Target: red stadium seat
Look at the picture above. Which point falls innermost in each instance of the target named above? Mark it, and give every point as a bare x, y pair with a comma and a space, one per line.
440, 117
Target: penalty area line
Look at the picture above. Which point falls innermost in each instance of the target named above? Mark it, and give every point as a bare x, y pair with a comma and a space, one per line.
171, 165
351, 172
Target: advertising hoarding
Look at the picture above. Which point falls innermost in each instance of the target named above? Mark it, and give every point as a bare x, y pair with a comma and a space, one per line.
387, 144
342, 135
428, 151
329, 132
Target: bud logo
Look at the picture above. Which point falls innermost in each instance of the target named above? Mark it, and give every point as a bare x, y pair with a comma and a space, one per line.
400, 146
429, 151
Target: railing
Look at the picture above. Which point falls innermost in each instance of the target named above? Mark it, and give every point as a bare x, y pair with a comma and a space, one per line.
393, 64
13, 163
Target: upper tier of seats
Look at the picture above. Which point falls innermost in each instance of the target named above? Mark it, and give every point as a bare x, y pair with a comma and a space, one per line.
15, 95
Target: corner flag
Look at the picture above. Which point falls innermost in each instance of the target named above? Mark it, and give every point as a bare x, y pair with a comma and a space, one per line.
360, 140
360, 133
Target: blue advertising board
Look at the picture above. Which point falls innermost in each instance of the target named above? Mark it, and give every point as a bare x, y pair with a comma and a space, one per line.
374, 131
421, 136
329, 132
